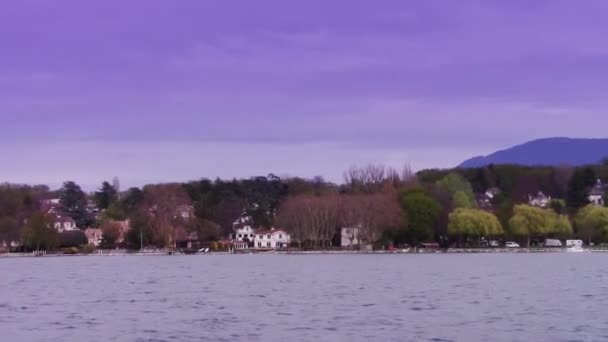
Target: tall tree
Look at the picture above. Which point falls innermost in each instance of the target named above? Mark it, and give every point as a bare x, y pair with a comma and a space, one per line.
592, 223
74, 203
473, 223
38, 235
578, 189
422, 213
106, 196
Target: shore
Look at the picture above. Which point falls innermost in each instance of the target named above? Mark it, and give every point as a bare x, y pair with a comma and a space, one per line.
314, 252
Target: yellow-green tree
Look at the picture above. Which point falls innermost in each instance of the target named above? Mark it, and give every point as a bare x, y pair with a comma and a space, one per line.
467, 223
592, 222
529, 221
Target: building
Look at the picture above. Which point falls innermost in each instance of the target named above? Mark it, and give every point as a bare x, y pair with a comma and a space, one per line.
64, 224
484, 200
243, 229
94, 236
349, 237
271, 239
540, 200
596, 194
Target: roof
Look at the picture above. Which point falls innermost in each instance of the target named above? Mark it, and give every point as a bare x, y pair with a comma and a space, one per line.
270, 231
65, 219
598, 189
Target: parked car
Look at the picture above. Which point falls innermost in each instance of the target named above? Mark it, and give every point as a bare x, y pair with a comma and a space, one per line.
511, 244
494, 243
553, 243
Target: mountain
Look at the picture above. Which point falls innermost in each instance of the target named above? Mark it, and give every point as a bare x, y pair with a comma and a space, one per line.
550, 151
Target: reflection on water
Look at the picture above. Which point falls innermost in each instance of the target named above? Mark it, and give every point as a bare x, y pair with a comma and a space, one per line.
500, 297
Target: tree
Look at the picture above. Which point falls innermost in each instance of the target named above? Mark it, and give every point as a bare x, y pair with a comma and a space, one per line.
459, 189
311, 220
528, 221
110, 234
38, 235
9, 230
371, 214
578, 190
106, 196
132, 200
74, 203
74, 238
422, 213
473, 223
162, 204
558, 205
592, 222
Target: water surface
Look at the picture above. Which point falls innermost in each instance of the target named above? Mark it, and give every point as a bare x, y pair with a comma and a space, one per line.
472, 297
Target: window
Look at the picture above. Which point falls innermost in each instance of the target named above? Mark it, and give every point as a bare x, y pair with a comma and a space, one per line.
260, 237
259, 244
251, 235
268, 244
268, 236
280, 236
240, 235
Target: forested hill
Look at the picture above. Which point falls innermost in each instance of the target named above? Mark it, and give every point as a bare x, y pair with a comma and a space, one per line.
547, 152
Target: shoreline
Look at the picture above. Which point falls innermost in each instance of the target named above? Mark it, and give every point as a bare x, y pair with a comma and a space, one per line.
317, 252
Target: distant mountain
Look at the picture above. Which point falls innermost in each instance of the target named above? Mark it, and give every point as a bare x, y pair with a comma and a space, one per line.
550, 151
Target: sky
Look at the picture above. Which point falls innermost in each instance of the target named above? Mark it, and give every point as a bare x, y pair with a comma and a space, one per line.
164, 90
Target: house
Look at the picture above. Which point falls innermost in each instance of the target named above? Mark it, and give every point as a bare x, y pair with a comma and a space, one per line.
271, 239
187, 240
64, 224
94, 236
484, 200
349, 237
243, 229
51, 207
596, 194
540, 200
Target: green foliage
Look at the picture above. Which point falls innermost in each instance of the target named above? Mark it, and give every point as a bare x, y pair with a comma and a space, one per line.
38, 235
592, 222
74, 203
465, 222
9, 229
88, 249
106, 196
578, 189
558, 205
422, 213
529, 221
462, 200
460, 190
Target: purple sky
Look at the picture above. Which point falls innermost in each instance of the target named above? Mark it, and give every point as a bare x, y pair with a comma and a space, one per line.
163, 90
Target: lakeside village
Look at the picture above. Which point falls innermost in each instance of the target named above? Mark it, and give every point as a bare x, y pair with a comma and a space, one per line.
377, 209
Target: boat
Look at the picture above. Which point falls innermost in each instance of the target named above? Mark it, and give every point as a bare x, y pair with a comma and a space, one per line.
575, 249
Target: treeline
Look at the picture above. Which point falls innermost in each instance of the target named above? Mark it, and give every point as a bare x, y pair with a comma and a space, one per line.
383, 206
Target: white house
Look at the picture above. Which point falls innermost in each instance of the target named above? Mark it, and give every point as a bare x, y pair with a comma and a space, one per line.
596, 195
243, 229
540, 200
94, 236
64, 224
271, 239
349, 237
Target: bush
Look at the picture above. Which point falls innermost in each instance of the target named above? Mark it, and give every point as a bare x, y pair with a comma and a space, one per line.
74, 238
88, 249
70, 250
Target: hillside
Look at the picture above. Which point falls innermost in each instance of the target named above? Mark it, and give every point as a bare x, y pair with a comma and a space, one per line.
550, 151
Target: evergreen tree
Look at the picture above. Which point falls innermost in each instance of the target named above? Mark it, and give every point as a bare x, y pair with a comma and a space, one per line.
74, 203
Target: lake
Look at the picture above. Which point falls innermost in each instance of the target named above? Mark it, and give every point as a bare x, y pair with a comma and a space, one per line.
435, 297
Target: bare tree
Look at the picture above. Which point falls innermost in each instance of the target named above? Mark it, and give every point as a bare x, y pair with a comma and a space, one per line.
311, 220
163, 203
371, 214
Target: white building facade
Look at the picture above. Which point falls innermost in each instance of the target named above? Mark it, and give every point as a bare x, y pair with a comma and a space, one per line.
271, 239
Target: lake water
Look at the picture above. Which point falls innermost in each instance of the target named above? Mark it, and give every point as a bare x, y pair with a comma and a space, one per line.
439, 297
